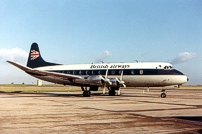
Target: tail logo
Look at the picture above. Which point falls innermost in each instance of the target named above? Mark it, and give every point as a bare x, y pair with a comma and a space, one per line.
34, 54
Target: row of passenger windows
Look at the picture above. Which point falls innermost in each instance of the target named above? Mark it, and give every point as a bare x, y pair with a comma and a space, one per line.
100, 72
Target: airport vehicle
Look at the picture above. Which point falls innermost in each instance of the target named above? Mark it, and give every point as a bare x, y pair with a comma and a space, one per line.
105, 75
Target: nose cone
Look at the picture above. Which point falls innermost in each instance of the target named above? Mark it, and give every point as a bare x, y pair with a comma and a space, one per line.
185, 79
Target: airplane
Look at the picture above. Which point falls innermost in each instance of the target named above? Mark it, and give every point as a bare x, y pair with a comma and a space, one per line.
112, 76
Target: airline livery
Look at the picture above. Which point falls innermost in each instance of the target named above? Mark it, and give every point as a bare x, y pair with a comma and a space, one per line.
106, 75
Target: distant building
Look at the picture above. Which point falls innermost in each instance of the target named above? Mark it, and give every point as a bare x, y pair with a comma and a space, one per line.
39, 82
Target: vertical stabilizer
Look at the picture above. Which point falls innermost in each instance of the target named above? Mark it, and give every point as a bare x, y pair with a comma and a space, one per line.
35, 59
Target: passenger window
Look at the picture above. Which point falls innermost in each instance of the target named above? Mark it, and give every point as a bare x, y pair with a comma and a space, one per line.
87, 72
101, 72
65, 72
74, 72
92, 72
112, 72
141, 71
132, 72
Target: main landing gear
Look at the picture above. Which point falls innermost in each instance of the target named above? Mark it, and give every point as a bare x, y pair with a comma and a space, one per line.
112, 91
163, 94
86, 92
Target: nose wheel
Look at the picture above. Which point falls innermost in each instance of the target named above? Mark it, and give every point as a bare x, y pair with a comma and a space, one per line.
163, 94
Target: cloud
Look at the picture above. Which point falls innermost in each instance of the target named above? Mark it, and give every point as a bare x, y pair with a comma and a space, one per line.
103, 56
183, 57
13, 54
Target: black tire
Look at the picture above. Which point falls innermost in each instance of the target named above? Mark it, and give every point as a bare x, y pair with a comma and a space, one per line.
163, 95
112, 92
89, 93
86, 93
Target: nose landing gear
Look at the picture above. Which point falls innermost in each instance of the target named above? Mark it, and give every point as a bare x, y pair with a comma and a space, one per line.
163, 94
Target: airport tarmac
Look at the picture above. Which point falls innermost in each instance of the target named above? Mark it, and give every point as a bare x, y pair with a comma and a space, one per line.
132, 112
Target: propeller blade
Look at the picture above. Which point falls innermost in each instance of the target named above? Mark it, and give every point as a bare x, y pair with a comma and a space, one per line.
121, 75
106, 73
105, 79
104, 89
120, 81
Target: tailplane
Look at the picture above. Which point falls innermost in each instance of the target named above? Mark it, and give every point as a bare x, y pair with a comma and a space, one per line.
35, 59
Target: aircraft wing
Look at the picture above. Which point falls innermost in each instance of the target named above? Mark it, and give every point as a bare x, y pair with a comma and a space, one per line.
97, 80
44, 73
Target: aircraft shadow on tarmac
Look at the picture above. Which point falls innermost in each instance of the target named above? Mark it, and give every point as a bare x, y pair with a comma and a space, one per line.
47, 94
196, 119
191, 118
69, 94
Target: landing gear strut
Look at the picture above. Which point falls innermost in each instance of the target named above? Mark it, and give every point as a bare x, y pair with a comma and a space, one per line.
163, 94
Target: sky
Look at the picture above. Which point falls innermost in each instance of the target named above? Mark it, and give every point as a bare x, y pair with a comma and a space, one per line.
86, 31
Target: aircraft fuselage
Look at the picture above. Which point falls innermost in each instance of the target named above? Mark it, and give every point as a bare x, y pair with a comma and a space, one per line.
145, 74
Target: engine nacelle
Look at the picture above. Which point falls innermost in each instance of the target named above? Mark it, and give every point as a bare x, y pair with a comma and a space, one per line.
97, 80
94, 80
90, 80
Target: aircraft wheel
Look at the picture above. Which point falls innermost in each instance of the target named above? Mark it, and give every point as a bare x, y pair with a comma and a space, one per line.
112, 92
86, 93
163, 95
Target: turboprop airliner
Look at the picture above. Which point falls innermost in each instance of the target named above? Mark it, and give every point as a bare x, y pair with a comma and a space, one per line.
110, 76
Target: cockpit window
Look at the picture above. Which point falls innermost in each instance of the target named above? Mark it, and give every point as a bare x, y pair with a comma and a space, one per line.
171, 67
168, 68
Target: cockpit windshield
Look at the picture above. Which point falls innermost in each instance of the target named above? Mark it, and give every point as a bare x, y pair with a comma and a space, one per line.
168, 68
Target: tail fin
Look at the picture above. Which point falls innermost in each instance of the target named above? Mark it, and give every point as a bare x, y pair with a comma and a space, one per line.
35, 59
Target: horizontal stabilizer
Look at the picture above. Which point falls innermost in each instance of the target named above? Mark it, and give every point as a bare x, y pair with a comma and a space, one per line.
24, 68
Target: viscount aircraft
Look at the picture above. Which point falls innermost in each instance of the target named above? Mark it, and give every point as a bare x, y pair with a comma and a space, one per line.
109, 76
